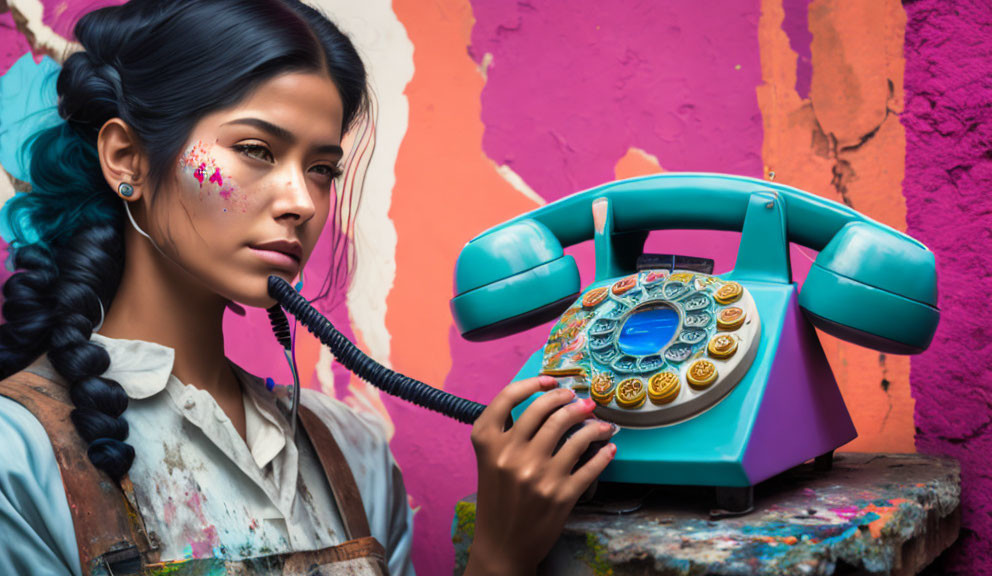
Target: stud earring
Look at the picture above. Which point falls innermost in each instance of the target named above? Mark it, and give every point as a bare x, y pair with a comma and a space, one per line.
125, 190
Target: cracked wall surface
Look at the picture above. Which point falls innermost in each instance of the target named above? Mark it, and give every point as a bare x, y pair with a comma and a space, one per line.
498, 107
948, 122
843, 142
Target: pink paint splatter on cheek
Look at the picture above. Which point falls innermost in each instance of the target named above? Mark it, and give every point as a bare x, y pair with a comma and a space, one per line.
198, 158
224, 191
198, 173
234, 197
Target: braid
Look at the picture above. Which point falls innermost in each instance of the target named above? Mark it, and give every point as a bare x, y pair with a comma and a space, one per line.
27, 308
53, 302
89, 272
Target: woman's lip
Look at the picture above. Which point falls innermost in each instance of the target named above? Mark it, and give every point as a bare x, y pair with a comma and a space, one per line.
277, 258
290, 247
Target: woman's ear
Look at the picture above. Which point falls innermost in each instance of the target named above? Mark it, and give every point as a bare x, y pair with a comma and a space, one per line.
122, 159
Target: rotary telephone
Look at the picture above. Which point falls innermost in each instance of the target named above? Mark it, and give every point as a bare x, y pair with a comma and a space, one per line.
714, 380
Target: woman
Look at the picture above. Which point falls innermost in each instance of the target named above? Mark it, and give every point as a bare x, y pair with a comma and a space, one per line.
197, 155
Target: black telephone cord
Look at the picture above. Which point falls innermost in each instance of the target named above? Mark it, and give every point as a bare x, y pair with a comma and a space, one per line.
357, 361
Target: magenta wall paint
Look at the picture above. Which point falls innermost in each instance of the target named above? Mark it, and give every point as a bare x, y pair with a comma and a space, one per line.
948, 121
62, 16
12, 44
572, 87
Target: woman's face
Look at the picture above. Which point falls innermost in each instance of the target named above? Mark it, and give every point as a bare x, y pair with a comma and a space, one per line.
252, 187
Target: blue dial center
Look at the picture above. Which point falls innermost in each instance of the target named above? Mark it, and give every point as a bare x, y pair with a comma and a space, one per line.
647, 331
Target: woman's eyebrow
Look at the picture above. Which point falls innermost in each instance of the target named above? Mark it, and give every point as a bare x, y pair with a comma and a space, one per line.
283, 134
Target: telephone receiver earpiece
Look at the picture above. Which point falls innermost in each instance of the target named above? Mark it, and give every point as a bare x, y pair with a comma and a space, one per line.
870, 284
871, 287
511, 280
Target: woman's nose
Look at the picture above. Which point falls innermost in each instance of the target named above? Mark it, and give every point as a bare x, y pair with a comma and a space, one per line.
293, 199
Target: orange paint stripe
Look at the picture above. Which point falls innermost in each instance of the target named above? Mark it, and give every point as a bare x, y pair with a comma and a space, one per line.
446, 190
856, 50
307, 353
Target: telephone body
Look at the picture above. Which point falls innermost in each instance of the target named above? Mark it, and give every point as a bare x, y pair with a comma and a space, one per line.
714, 380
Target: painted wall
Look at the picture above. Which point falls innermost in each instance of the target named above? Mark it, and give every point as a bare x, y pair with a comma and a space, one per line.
488, 109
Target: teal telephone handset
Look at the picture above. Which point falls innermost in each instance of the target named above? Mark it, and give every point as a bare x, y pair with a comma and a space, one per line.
738, 385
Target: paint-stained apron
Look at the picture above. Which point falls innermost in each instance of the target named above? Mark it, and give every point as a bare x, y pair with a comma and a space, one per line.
109, 531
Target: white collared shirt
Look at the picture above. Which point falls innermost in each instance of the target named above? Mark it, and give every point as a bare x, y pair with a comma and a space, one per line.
201, 489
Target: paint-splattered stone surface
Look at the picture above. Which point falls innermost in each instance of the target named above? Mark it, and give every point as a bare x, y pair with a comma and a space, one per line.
870, 514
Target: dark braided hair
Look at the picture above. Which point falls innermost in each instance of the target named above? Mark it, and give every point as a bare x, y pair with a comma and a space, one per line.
160, 66
89, 268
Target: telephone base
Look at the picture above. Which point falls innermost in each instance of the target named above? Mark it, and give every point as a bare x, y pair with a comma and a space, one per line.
785, 411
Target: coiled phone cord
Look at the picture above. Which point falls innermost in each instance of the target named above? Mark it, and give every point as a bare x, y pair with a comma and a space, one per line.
358, 362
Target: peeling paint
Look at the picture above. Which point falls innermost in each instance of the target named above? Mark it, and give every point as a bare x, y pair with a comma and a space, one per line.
844, 143
636, 162
514, 179
30, 18
388, 54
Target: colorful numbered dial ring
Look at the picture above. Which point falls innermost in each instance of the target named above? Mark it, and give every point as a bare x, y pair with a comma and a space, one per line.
657, 347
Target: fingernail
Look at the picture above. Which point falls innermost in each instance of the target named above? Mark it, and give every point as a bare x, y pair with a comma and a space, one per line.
547, 381
589, 404
613, 449
604, 426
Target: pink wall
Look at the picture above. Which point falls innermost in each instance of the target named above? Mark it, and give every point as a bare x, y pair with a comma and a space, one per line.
948, 123
512, 104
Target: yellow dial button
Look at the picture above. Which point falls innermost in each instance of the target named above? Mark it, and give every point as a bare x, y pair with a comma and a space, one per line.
722, 347
730, 318
602, 387
701, 374
631, 393
663, 387
729, 292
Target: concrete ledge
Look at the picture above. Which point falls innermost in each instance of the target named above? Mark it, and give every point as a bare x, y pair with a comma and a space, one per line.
871, 514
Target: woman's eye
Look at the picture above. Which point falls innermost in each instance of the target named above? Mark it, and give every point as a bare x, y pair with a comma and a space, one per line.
329, 171
255, 151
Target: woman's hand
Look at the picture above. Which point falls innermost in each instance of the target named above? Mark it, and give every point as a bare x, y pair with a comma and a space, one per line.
526, 493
